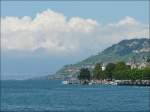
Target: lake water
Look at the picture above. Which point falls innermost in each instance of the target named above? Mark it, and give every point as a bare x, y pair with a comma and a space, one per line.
52, 96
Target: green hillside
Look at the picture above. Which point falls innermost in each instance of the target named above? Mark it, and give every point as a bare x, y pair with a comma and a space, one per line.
122, 51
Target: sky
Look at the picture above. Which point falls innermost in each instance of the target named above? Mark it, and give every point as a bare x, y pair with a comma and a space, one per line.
38, 38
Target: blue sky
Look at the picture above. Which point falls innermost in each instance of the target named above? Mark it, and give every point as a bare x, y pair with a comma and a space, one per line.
38, 38
101, 11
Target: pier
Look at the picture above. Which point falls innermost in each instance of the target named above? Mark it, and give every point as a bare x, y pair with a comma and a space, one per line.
134, 82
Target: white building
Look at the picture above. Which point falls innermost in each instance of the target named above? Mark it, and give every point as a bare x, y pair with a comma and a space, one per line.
103, 67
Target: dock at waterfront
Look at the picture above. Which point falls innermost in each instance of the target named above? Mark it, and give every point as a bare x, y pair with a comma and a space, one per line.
114, 82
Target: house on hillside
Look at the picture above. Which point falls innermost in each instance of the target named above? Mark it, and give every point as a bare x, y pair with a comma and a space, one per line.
142, 65
139, 65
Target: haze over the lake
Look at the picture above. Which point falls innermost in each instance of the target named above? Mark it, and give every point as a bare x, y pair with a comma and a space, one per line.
38, 38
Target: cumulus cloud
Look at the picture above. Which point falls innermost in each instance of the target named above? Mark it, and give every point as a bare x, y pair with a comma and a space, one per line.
57, 34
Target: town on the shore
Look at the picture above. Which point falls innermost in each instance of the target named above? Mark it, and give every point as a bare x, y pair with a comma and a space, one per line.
119, 73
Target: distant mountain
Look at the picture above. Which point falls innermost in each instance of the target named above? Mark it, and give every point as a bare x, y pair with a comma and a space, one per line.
122, 51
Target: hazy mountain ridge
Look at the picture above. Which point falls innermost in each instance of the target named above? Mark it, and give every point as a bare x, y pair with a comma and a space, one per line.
122, 51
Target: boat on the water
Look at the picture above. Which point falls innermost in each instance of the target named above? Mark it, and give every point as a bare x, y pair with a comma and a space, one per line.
71, 81
65, 82
90, 83
112, 83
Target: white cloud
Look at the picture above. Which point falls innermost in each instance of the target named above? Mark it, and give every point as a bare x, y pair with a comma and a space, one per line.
58, 34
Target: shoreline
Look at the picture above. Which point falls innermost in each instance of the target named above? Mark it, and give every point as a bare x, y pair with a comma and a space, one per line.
113, 82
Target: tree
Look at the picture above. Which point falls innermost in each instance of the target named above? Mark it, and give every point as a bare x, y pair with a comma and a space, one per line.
135, 74
146, 73
121, 66
84, 74
97, 72
110, 67
121, 70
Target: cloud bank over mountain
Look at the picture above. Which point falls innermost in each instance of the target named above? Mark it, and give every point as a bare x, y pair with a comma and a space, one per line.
56, 34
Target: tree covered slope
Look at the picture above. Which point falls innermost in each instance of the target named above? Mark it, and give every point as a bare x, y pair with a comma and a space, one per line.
122, 51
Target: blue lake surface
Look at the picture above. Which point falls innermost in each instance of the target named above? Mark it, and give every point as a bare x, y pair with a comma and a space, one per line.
53, 96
